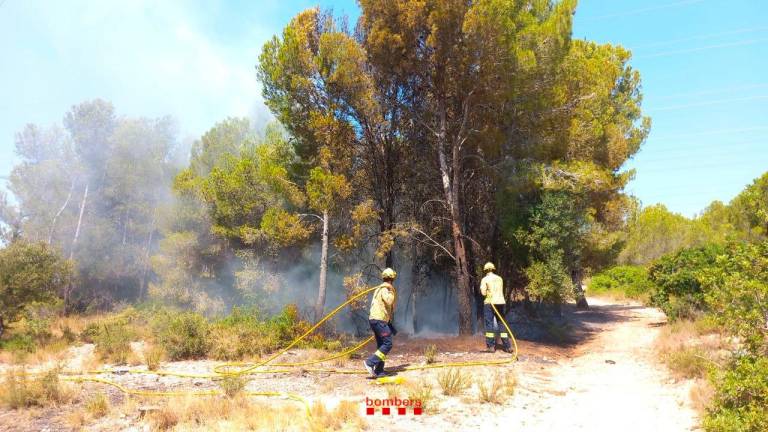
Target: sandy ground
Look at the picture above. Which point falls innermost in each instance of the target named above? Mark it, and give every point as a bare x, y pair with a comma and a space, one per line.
607, 379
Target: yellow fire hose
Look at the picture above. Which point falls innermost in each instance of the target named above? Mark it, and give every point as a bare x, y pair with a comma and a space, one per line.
224, 370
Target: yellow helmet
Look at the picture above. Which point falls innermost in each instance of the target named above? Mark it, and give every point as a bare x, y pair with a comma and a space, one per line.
388, 273
489, 267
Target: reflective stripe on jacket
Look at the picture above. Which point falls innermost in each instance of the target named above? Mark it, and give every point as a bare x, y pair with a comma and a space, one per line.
492, 287
383, 303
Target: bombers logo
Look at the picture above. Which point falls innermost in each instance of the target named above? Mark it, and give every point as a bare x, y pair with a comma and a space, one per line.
386, 405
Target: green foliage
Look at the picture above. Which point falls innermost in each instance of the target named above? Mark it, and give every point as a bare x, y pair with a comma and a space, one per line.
549, 281
677, 279
627, 281
184, 335
750, 209
736, 288
654, 232
29, 272
741, 397
112, 337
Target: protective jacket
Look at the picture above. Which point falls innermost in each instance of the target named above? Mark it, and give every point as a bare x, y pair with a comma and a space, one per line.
492, 287
383, 303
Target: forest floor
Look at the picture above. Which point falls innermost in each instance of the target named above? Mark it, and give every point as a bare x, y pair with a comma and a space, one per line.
606, 376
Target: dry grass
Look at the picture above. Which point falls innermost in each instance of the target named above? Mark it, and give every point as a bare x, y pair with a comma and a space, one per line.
493, 389
243, 413
346, 416
430, 354
97, 406
153, 357
701, 395
422, 391
454, 381
20, 390
691, 348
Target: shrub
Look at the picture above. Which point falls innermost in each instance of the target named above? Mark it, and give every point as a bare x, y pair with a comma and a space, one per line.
741, 397
625, 281
677, 278
113, 341
232, 385
454, 381
29, 272
737, 293
184, 336
430, 353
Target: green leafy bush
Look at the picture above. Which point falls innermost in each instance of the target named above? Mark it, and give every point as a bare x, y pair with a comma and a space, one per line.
741, 397
737, 292
184, 336
29, 272
245, 333
627, 281
113, 341
678, 288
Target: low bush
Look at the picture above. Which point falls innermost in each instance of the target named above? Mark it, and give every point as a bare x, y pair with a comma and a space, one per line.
741, 397
113, 341
184, 336
245, 333
622, 281
677, 280
233, 385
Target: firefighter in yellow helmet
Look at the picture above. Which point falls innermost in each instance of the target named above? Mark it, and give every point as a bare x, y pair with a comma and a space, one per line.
492, 288
380, 319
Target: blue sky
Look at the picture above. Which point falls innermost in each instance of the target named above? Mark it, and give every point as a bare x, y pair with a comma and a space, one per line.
703, 64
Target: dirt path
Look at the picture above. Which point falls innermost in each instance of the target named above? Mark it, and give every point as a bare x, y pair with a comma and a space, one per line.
615, 383
612, 382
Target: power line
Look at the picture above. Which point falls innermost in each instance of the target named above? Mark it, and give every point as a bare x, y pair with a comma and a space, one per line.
704, 48
713, 132
715, 91
643, 10
699, 37
708, 103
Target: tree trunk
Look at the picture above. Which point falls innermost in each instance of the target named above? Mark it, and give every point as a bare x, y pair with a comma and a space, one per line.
323, 269
58, 213
451, 192
2, 327
143, 288
581, 299
79, 222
